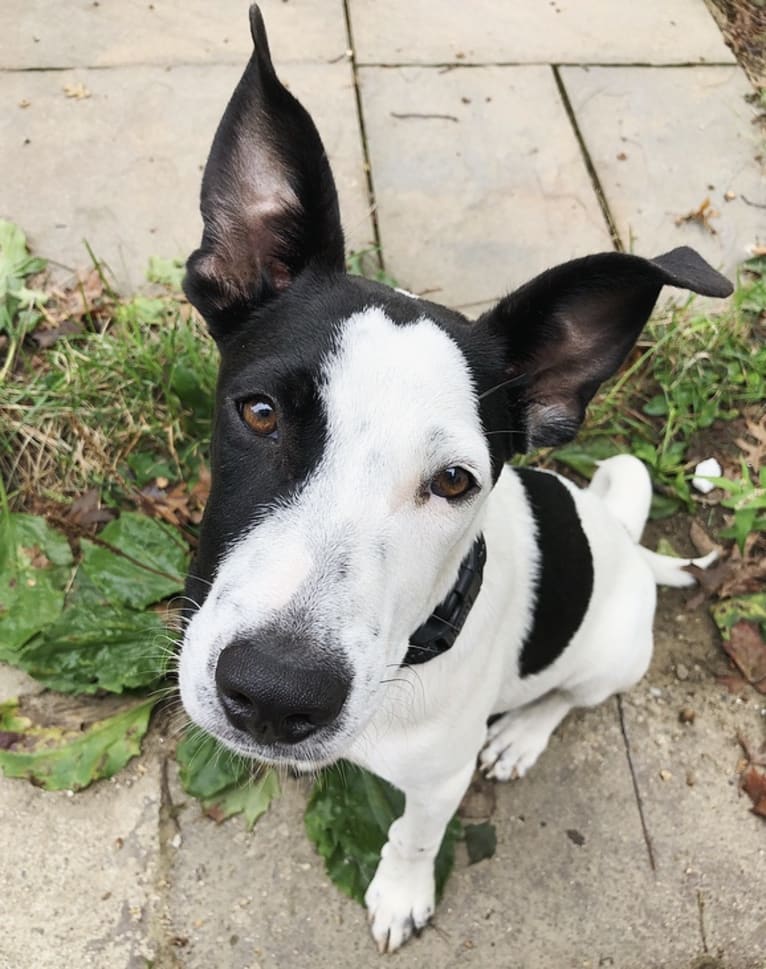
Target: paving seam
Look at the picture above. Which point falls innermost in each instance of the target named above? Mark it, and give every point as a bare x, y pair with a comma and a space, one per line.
373, 208
636, 791
456, 65
589, 165
166, 954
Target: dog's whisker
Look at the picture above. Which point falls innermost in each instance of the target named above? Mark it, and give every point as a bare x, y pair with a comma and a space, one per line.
519, 380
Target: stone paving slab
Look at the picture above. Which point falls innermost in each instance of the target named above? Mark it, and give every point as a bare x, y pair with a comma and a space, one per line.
122, 168
709, 848
664, 140
476, 191
536, 31
263, 900
80, 33
78, 874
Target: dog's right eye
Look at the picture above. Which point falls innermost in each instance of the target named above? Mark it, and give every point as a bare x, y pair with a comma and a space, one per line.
452, 483
260, 415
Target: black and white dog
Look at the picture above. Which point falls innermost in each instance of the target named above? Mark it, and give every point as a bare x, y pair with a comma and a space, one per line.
363, 525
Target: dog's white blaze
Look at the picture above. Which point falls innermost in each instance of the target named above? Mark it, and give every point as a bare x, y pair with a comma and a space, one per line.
363, 552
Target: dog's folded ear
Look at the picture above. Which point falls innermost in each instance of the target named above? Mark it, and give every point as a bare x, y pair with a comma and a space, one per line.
569, 329
268, 201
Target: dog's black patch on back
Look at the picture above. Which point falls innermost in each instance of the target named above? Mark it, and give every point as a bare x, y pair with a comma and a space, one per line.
565, 580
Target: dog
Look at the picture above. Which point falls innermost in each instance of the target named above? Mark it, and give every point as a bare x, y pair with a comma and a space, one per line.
364, 525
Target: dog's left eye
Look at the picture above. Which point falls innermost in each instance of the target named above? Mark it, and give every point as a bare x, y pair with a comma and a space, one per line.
452, 483
260, 415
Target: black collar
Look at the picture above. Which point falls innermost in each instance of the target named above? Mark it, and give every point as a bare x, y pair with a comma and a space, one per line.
439, 632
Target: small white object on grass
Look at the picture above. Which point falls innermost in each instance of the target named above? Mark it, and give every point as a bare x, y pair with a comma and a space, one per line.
709, 468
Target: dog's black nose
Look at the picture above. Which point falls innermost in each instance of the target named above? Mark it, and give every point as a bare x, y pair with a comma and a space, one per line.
267, 692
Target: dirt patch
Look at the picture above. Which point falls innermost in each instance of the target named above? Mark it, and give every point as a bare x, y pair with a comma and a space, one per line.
743, 25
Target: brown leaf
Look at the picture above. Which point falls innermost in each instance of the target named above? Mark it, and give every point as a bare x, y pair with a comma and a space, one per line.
732, 682
747, 575
8, 739
177, 506
755, 450
753, 783
700, 539
701, 215
45, 337
710, 580
86, 510
216, 812
748, 652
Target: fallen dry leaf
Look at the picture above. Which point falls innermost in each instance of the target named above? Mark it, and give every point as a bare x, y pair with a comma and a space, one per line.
701, 215
747, 651
77, 91
177, 506
709, 581
86, 510
747, 576
753, 783
755, 449
45, 337
700, 539
732, 682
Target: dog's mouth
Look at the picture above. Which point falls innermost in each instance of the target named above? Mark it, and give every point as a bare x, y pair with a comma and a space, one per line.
321, 749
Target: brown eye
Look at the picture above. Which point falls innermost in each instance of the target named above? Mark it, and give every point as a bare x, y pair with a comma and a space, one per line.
260, 415
452, 483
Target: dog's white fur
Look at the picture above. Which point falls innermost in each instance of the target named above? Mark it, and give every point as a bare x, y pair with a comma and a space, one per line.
401, 406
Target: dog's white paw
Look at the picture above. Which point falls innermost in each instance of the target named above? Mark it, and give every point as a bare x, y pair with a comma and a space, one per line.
400, 899
516, 740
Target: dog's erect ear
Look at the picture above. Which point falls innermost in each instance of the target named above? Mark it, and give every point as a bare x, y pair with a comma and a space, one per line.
268, 203
570, 328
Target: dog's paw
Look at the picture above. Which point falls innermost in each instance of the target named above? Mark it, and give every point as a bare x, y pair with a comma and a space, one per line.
514, 742
399, 900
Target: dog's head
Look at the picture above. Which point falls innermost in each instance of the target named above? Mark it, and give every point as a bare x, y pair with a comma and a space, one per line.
358, 432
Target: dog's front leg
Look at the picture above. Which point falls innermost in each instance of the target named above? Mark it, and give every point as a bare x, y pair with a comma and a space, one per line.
400, 899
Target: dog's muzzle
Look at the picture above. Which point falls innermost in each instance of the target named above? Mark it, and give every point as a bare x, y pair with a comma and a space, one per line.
269, 694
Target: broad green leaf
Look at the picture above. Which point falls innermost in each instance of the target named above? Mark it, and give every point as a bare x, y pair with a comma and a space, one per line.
657, 406
15, 261
58, 758
94, 645
583, 456
664, 506
730, 611
480, 841
224, 783
148, 562
347, 819
35, 565
146, 467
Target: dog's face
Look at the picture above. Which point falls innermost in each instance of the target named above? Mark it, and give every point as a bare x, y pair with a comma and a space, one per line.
358, 433
350, 469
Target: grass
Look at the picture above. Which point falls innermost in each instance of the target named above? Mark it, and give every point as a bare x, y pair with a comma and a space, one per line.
124, 399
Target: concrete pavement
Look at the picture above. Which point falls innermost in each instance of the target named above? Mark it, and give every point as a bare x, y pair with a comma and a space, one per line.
500, 138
